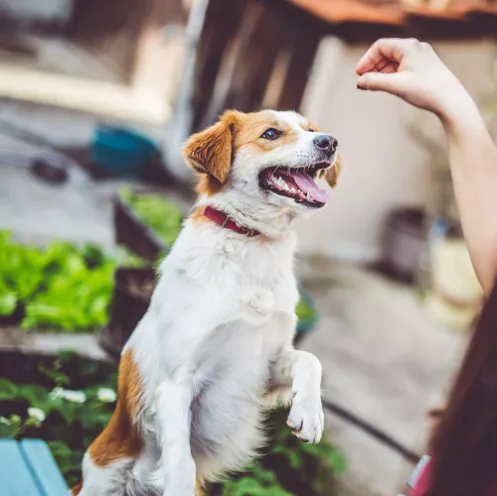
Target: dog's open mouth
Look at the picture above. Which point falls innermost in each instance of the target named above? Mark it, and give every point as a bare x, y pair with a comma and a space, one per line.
296, 183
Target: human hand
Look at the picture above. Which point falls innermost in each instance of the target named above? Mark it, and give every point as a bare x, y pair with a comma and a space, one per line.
411, 70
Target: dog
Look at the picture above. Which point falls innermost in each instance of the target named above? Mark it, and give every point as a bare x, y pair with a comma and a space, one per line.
215, 345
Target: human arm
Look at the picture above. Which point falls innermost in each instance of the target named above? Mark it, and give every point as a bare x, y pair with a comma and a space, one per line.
411, 70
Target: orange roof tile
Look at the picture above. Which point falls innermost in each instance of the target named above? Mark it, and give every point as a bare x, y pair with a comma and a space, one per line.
393, 13
336, 11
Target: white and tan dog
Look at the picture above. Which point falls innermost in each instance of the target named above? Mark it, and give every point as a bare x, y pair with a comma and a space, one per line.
217, 338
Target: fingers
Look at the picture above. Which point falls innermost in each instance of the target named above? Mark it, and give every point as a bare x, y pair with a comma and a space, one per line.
387, 67
380, 81
386, 50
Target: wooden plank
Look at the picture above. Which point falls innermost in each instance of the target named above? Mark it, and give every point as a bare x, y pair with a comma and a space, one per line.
301, 60
43, 468
222, 22
256, 65
15, 476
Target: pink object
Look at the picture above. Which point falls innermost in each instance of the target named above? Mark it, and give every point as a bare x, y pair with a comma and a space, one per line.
224, 220
307, 185
419, 481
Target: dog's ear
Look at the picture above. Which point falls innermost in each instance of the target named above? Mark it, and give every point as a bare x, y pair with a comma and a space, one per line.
210, 152
331, 175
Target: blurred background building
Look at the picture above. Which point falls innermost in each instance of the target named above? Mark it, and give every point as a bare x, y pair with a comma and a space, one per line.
129, 60
96, 93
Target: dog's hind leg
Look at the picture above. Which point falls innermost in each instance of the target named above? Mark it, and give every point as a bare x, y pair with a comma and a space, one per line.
108, 480
108, 462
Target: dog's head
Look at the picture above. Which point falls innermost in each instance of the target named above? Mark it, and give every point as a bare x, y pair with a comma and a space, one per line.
270, 157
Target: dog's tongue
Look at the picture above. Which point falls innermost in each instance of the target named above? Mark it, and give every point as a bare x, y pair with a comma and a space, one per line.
307, 185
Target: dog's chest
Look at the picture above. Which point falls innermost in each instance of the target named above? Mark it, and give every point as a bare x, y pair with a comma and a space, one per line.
231, 377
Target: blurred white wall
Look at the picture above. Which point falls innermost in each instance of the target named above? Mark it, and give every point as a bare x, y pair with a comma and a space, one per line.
383, 165
28, 10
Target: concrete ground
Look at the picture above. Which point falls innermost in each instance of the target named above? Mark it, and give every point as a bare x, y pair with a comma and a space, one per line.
383, 359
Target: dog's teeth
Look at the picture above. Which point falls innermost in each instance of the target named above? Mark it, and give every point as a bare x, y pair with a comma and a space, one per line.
308, 196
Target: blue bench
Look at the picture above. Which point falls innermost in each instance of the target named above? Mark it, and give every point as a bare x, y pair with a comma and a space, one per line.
29, 469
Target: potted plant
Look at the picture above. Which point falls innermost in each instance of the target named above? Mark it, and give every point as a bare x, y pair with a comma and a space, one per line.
146, 221
133, 288
60, 287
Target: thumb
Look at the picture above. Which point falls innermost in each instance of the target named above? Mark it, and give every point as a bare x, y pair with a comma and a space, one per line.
379, 81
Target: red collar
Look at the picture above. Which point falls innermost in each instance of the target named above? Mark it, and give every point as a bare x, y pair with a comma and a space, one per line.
224, 220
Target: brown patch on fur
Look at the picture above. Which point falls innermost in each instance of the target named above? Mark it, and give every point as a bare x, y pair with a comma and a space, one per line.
313, 126
331, 175
252, 126
121, 438
210, 153
198, 217
199, 488
77, 489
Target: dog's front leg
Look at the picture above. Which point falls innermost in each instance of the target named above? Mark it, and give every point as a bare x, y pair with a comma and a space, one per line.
302, 372
174, 417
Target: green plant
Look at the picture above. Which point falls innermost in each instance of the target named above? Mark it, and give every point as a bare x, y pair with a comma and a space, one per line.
289, 466
60, 286
157, 212
69, 418
72, 402
13, 426
305, 311
256, 482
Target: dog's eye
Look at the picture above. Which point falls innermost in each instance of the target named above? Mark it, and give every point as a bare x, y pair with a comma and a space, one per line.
271, 134
312, 131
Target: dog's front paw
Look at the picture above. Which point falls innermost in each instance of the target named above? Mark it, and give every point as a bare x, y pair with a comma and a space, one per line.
306, 418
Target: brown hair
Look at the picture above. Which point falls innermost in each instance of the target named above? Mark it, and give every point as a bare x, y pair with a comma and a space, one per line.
464, 446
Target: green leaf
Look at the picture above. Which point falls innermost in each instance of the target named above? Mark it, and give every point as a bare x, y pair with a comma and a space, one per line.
337, 461
8, 303
295, 460
8, 390
68, 411
35, 394
157, 212
8, 431
60, 287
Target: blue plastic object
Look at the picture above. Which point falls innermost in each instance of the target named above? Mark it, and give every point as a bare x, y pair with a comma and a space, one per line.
15, 476
29, 469
304, 326
122, 152
43, 467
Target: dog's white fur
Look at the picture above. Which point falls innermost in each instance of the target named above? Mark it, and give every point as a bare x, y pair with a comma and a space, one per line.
219, 330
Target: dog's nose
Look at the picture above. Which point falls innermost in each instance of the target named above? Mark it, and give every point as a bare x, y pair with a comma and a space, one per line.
326, 143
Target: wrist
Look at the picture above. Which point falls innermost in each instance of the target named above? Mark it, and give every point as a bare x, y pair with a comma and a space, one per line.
464, 126
459, 114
